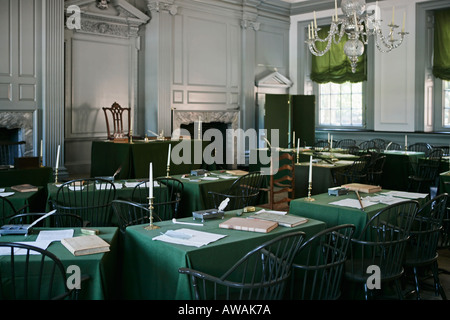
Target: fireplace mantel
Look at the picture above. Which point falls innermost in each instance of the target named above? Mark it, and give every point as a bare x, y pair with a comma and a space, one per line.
191, 116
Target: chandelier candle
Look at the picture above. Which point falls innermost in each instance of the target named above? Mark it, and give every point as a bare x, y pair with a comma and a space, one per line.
358, 25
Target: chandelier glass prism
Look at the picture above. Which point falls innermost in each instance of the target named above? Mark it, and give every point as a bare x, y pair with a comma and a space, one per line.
358, 25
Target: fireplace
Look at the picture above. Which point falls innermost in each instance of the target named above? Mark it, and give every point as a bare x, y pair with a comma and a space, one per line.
221, 120
18, 126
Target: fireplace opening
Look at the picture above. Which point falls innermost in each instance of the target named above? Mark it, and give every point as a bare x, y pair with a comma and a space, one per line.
221, 126
9, 135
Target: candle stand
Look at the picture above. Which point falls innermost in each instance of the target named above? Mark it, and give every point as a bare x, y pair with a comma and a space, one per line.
151, 226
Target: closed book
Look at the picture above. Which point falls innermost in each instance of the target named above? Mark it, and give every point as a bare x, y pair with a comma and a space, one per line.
360, 187
285, 220
24, 188
255, 225
84, 245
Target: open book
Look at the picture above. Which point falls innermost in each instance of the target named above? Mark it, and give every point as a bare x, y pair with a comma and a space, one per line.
286, 220
84, 245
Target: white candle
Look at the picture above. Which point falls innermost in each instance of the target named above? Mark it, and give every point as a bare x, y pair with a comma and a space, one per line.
310, 169
393, 14
315, 21
150, 181
309, 32
404, 21
331, 142
199, 127
57, 156
312, 30
335, 10
298, 146
41, 148
168, 155
406, 141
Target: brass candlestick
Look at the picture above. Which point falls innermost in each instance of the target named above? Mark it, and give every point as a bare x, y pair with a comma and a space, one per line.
298, 158
168, 171
309, 192
56, 175
151, 226
131, 136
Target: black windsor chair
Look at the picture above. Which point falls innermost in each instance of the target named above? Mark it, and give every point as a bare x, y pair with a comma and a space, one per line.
261, 274
382, 243
129, 213
421, 147
90, 199
245, 191
167, 192
7, 210
427, 173
346, 143
421, 250
320, 276
56, 220
31, 276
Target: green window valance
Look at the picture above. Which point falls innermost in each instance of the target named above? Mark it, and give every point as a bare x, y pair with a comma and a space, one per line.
334, 66
441, 60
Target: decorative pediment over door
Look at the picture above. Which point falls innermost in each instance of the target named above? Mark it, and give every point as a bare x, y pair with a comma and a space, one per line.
274, 82
108, 17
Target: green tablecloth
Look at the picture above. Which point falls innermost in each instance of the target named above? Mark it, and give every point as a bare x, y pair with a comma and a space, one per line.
444, 182
102, 268
195, 195
322, 176
36, 176
34, 199
107, 157
334, 215
398, 166
151, 267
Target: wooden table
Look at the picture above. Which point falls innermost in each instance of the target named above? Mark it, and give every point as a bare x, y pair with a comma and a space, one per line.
398, 166
322, 175
134, 158
150, 268
195, 193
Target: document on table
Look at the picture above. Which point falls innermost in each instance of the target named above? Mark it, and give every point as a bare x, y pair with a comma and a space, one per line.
404, 194
43, 240
384, 199
189, 237
353, 203
271, 211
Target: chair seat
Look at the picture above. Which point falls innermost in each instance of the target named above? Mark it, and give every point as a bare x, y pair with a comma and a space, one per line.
358, 272
412, 261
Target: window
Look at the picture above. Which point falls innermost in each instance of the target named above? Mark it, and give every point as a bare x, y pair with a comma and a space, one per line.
342, 104
446, 103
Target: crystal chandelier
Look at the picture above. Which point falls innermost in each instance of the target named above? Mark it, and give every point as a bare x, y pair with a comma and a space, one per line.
358, 24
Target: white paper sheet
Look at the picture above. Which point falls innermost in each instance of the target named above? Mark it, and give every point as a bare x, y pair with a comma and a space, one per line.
6, 194
353, 203
54, 235
196, 239
5, 251
404, 194
271, 211
384, 199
